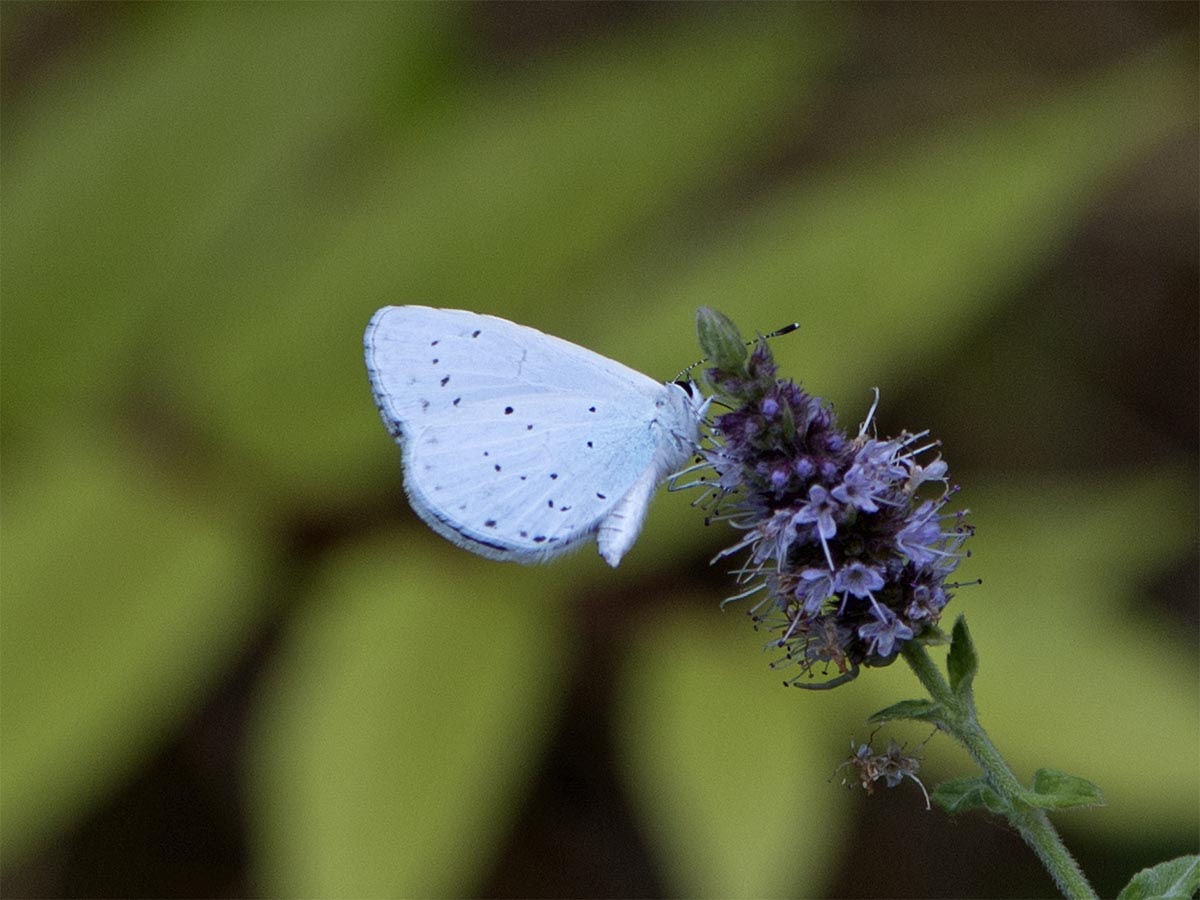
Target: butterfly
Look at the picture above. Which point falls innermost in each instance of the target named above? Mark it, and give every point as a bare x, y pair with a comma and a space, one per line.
517, 445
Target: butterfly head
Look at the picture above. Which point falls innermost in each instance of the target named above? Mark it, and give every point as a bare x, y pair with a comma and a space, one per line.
694, 397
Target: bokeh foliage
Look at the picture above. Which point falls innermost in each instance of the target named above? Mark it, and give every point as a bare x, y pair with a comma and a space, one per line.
202, 207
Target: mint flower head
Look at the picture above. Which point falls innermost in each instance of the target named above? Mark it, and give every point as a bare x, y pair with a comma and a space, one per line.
847, 547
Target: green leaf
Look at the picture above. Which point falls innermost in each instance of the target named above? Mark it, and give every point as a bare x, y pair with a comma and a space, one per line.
151, 175
962, 662
951, 222
724, 766
921, 710
1177, 879
973, 792
390, 746
1057, 790
123, 596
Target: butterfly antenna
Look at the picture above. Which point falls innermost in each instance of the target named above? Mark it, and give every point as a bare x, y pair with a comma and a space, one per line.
778, 332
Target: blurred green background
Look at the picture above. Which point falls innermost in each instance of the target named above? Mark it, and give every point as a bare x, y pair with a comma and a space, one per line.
232, 662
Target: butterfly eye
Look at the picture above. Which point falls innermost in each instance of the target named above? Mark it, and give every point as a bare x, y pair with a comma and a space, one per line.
688, 388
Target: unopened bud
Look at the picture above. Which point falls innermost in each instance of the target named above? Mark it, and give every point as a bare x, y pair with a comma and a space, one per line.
720, 340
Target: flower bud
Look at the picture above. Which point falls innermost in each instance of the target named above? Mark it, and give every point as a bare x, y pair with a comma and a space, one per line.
720, 340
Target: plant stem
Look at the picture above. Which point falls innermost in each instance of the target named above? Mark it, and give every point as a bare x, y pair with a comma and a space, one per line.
961, 723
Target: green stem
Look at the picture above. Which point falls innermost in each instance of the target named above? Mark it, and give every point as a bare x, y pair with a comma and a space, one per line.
961, 723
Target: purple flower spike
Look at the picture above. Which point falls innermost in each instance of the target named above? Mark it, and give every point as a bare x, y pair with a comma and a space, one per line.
849, 547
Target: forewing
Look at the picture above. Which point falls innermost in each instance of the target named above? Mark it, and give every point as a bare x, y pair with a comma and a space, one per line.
425, 364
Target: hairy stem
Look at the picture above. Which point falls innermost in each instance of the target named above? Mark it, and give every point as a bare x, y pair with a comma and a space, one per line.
961, 723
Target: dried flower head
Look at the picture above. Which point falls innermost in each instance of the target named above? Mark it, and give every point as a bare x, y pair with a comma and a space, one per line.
848, 548
892, 766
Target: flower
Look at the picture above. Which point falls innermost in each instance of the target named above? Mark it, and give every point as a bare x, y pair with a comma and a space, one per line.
886, 632
819, 510
848, 541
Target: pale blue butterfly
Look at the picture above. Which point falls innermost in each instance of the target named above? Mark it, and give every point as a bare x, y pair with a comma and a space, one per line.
518, 445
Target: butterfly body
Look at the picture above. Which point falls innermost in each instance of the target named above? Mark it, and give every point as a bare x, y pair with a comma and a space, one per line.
518, 445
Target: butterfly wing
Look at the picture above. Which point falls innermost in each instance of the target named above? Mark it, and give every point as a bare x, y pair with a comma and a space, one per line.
516, 444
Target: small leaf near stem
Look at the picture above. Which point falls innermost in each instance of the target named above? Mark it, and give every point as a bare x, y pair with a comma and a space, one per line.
962, 662
973, 792
920, 710
1176, 879
1058, 790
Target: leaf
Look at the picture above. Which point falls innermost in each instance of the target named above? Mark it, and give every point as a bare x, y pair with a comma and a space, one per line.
724, 766
940, 228
962, 662
150, 173
921, 710
1177, 879
390, 746
1057, 790
123, 596
974, 792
